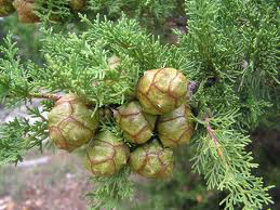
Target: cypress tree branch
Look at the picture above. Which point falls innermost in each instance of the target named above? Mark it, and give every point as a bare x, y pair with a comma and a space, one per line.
226, 165
220, 33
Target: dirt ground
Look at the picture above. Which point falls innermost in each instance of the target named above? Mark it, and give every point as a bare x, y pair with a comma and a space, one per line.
44, 182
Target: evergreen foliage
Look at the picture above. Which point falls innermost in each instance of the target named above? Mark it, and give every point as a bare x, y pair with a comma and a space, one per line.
234, 43
230, 51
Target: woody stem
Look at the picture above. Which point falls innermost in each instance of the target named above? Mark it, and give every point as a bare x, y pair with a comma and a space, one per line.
44, 96
213, 136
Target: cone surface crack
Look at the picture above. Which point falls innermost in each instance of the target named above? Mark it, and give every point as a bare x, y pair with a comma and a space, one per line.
153, 80
153, 105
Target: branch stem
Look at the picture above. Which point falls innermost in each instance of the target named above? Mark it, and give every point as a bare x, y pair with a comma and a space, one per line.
213, 136
44, 96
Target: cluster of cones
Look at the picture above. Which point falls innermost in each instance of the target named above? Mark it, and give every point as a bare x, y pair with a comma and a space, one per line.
152, 124
27, 9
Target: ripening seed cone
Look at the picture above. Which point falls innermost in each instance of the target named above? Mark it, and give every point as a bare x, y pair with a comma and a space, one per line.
162, 90
26, 11
71, 123
78, 4
107, 156
104, 113
114, 61
6, 7
152, 161
175, 128
137, 126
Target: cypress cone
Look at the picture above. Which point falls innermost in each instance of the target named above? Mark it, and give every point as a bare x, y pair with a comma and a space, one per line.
104, 113
71, 123
137, 126
6, 8
162, 90
78, 4
107, 155
152, 161
175, 128
26, 11
114, 61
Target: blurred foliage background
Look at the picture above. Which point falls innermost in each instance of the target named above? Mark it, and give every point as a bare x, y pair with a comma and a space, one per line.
185, 190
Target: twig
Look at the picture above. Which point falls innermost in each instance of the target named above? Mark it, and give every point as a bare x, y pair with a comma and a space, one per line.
44, 96
212, 134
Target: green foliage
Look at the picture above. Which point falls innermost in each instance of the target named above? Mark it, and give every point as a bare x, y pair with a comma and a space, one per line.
110, 191
53, 10
14, 84
79, 63
20, 135
151, 13
222, 158
126, 38
27, 38
135, 8
234, 43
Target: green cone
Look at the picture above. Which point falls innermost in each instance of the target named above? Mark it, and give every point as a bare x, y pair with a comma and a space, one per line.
78, 4
137, 126
104, 113
160, 91
71, 123
175, 128
6, 8
107, 155
152, 161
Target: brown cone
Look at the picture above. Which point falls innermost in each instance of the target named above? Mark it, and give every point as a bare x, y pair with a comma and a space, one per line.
78, 5
6, 8
26, 11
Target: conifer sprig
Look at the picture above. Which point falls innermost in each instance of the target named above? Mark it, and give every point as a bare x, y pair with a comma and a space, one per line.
226, 165
225, 40
110, 191
22, 134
